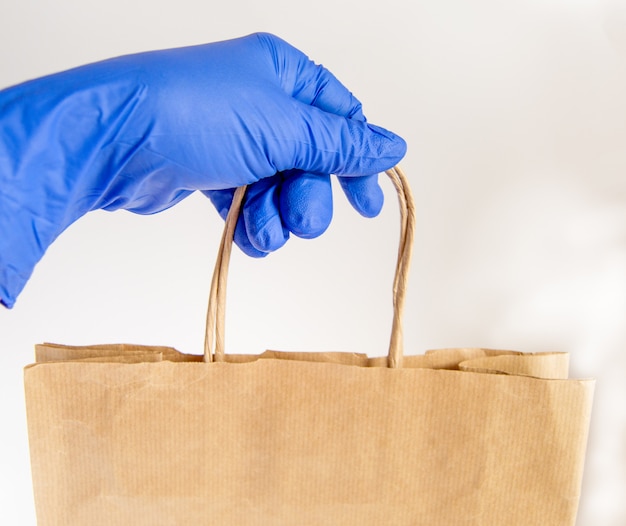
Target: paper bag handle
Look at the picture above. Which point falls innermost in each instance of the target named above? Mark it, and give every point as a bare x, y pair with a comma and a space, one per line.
215, 322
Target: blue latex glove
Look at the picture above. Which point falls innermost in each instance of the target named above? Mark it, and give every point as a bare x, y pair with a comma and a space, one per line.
142, 132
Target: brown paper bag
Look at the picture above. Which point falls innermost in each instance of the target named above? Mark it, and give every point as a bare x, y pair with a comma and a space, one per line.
134, 435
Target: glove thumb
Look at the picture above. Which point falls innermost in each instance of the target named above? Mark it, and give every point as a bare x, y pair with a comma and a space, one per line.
326, 143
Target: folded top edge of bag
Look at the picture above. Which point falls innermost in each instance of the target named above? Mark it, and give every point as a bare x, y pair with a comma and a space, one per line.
546, 365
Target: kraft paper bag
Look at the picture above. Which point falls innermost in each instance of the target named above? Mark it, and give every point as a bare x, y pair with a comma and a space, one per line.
137, 435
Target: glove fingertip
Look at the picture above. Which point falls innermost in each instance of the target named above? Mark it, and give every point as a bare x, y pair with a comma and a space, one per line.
243, 241
269, 238
263, 224
306, 204
364, 194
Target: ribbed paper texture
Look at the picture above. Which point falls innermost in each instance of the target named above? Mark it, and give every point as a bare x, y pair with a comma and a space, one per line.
281, 441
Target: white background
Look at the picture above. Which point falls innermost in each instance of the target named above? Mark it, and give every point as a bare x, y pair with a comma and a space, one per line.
515, 117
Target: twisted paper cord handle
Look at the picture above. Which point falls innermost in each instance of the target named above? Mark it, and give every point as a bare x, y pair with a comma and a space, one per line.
215, 321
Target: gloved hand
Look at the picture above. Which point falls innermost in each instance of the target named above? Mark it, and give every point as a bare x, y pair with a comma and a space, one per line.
141, 132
